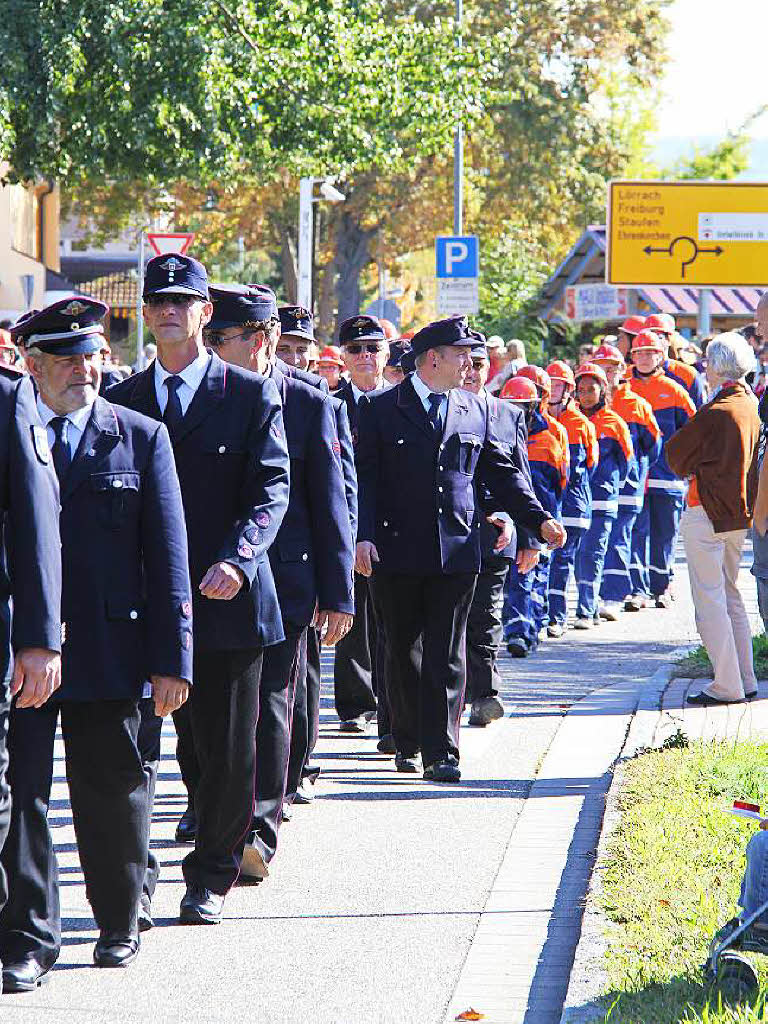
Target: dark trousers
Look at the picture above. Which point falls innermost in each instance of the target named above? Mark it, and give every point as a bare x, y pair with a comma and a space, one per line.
273, 739
185, 751
306, 710
355, 667
312, 672
425, 620
150, 732
223, 709
5, 789
484, 629
108, 795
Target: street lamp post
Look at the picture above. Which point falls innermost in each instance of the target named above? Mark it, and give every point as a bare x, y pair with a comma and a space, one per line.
306, 199
458, 150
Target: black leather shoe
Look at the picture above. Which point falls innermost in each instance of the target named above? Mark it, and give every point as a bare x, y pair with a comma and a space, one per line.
405, 763
24, 975
145, 913
201, 906
442, 771
116, 949
704, 700
386, 744
186, 830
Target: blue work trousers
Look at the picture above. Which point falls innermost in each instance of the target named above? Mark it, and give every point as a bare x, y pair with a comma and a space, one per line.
654, 540
525, 603
589, 564
563, 560
617, 583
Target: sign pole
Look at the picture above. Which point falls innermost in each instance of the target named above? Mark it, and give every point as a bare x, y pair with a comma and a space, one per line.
458, 151
704, 321
140, 355
304, 289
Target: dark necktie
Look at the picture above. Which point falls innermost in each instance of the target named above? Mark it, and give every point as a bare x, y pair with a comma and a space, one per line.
62, 457
173, 415
435, 401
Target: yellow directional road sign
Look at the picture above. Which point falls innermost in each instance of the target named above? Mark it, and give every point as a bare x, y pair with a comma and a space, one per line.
687, 232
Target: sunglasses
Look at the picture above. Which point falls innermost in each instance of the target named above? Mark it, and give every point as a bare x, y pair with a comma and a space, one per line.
172, 300
356, 349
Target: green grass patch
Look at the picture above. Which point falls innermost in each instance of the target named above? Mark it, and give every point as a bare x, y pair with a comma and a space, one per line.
697, 665
672, 878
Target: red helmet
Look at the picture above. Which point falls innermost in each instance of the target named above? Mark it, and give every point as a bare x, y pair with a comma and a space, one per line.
664, 323
608, 354
592, 370
560, 370
539, 377
648, 340
520, 389
330, 354
633, 325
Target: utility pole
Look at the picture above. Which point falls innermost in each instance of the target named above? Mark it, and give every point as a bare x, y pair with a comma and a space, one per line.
140, 358
704, 320
458, 148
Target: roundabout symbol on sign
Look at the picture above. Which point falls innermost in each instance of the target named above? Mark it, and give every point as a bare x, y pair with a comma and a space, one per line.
687, 246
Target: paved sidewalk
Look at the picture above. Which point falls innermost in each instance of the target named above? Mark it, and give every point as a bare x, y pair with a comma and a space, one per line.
378, 907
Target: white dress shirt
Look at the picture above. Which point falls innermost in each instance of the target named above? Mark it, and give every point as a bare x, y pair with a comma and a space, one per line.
191, 376
357, 393
75, 428
424, 392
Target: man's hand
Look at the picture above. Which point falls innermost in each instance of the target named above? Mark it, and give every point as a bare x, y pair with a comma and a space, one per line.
339, 624
527, 559
553, 533
222, 582
169, 694
506, 528
365, 555
36, 675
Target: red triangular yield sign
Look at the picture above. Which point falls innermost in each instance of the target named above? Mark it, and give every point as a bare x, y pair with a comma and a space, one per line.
168, 242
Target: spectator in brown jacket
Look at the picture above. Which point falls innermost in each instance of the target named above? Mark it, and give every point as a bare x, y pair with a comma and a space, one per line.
717, 451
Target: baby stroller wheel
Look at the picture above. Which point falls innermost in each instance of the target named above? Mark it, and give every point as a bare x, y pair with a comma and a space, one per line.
736, 978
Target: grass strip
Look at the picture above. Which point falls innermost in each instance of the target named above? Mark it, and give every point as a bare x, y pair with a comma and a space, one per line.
671, 878
697, 665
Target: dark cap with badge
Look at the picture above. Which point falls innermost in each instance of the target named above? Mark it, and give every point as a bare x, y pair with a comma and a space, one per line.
361, 328
267, 300
479, 348
397, 349
175, 274
297, 321
69, 327
452, 331
238, 306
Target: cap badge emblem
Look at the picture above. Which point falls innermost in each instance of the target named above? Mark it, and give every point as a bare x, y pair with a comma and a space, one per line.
172, 265
74, 308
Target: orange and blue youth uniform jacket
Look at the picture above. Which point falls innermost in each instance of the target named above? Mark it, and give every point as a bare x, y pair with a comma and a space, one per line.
548, 460
690, 379
637, 413
584, 455
616, 457
562, 434
672, 408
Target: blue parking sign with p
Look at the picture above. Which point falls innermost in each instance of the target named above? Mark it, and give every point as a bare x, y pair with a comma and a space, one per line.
456, 256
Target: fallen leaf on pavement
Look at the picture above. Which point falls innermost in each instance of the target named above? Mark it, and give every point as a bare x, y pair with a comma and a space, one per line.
471, 1014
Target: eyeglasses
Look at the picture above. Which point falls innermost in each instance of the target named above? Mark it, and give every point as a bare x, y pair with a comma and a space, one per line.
356, 349
217, 338
160, 299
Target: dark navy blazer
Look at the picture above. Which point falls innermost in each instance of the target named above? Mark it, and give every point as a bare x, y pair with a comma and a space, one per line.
126, 602
417, 492
313, 379
313, 556
232, 460
30, 565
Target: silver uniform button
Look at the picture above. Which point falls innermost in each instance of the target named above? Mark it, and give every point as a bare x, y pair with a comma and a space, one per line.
440, 489
385, 523
440, 511
134, 614
304, 557
117, 483
400, 440
222, 449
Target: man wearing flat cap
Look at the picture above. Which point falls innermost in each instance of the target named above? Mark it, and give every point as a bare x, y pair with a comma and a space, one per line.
226, 427
126, 623
425, 448
312, 557
359, 666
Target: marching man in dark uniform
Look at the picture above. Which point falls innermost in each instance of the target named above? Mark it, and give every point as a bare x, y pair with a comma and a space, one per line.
127, 619
30, 585
312, 557
423, 447
226, 427
358, 671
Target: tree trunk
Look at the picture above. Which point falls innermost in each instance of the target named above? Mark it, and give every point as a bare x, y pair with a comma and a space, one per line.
352, 254
288, 264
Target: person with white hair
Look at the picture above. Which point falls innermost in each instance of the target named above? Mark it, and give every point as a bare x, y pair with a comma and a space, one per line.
717, 451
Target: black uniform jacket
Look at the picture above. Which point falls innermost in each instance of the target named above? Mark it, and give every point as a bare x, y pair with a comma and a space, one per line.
232, 460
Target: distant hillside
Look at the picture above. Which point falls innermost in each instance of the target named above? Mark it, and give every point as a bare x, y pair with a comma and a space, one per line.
671, 148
